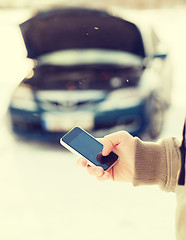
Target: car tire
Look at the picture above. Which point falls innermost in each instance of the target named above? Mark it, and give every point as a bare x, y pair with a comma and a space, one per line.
156, 119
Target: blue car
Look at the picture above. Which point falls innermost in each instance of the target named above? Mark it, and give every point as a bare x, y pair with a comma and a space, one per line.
93, 69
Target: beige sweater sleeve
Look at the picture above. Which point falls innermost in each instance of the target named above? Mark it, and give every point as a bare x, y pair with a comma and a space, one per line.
157, 163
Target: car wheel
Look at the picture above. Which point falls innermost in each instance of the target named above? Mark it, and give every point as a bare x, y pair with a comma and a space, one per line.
156, 120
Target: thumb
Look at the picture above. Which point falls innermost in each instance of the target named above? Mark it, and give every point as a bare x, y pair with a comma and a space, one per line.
112, 140
106, 150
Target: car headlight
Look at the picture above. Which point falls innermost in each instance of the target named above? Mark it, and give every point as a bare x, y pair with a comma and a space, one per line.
23, 98
124, 98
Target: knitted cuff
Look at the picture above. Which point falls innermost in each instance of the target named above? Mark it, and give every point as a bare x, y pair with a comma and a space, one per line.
157, 163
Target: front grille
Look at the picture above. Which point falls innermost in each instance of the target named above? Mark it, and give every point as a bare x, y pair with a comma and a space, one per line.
59, 106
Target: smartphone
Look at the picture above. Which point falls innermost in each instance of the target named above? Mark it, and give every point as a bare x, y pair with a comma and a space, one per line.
81, 143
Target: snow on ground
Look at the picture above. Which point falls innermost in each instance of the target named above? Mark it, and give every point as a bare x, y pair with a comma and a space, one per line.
44, 195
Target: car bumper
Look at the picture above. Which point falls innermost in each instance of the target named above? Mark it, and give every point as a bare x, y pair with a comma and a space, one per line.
30, 125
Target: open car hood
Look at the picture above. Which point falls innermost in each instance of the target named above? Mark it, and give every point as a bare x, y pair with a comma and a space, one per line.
79, 28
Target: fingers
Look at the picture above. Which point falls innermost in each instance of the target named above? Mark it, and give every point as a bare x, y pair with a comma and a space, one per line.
112, 140
99, 173
81, 162
94, 171
104, 176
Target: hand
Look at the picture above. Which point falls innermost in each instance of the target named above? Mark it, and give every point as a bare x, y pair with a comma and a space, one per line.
123, 144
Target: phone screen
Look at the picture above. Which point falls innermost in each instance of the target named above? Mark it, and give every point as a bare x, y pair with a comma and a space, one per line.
89, 147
